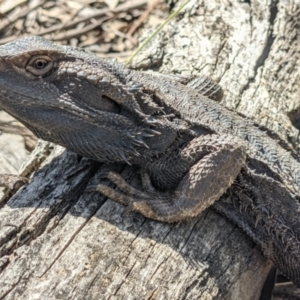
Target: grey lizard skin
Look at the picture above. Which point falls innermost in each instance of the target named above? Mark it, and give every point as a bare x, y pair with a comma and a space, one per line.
193, 153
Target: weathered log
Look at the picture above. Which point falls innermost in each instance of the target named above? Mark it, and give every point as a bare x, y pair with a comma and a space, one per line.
58, 242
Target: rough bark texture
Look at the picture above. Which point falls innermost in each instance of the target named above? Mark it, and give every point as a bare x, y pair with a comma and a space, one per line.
57, 242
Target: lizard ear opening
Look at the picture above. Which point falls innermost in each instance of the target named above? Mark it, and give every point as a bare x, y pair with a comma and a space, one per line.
104, 103
40, 65
108, 104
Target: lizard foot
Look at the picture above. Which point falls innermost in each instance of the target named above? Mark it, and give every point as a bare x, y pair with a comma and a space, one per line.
151, 203
199, 187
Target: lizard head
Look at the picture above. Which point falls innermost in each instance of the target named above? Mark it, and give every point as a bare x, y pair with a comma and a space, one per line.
73, 98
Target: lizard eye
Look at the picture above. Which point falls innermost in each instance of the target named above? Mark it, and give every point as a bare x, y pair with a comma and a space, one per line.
40, 65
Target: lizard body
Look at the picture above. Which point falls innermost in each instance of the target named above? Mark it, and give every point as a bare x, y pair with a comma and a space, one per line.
193, 152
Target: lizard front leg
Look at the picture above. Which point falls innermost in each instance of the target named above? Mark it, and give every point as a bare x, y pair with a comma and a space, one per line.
212, 165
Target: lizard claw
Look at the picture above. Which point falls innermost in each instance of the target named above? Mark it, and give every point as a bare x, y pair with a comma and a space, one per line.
91, 188
128, 210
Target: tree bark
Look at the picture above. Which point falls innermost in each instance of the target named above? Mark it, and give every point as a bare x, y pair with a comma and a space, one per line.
58, 242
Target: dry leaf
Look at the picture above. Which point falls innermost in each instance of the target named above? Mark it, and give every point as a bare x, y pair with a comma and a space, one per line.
111, 3
8, 5
75, 5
